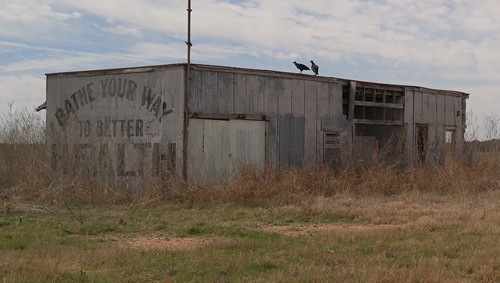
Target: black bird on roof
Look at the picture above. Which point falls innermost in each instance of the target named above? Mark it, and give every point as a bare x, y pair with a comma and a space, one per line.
41, 106
314, 68
301, 67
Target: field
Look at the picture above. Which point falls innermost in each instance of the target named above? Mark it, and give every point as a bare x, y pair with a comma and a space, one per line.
309, 225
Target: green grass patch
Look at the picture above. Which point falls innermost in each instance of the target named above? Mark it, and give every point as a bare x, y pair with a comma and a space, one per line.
181, 243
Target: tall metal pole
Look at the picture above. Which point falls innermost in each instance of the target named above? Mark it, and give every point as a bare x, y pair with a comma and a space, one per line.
187, 95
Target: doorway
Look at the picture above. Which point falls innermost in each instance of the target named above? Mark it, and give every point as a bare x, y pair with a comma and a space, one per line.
422, 142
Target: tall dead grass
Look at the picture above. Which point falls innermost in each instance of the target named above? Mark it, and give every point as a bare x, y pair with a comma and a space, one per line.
22, 139
23, 175
296, 186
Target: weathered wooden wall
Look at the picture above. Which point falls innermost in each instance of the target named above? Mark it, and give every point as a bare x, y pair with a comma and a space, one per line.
129, 122
439, 111
123, 123
296, 108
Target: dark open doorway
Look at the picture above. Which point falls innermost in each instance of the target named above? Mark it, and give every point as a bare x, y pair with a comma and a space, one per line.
422, 141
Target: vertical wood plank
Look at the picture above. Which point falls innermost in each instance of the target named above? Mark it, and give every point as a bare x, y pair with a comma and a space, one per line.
195, 150
196, 99
298, 96
274, 86
255, 93
272, 140
241, 103
418, 107
226, 92
440, 110
431, 108
209, 92
449, 109
409, 126
285, 99
336, 107
322, 112
297, 127
284, 140
310, 112
352, 98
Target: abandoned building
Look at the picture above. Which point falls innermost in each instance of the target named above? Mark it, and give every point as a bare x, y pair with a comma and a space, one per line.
146, 122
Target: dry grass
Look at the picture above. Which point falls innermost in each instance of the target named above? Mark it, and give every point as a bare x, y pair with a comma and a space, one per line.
406, 237
373, 224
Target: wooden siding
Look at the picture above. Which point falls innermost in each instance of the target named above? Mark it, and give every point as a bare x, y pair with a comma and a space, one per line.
275, 98
296, 110
439, 112
121, 124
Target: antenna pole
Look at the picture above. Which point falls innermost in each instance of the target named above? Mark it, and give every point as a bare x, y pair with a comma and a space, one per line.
187, 95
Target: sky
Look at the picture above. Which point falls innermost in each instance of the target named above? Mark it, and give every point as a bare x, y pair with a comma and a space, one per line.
445, 44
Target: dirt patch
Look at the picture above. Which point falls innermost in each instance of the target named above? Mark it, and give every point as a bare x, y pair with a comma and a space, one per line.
159, 242
312, 229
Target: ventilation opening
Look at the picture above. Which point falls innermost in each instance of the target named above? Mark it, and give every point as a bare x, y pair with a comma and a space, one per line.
332, 147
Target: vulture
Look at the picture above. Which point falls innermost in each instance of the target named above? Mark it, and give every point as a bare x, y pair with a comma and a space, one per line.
41, 106
314, 68
301, 67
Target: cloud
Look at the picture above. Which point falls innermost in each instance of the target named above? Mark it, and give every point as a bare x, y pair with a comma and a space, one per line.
74, 61
435, 43
124, 30
31, 18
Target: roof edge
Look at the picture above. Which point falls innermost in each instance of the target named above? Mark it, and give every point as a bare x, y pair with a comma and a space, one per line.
218, 68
